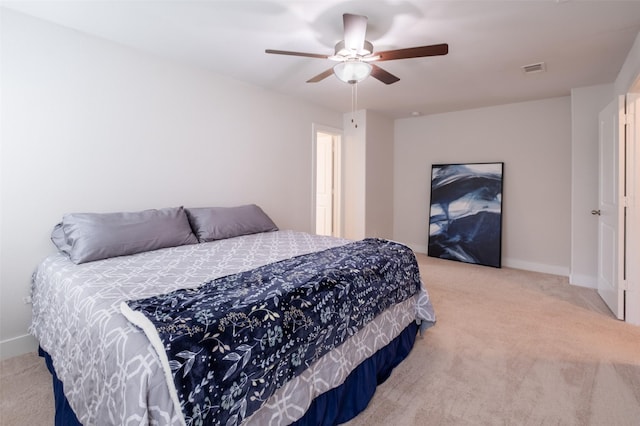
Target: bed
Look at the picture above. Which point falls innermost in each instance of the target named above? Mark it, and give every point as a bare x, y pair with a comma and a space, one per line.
116, 360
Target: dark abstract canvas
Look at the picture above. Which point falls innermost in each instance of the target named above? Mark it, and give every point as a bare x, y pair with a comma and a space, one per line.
465, 219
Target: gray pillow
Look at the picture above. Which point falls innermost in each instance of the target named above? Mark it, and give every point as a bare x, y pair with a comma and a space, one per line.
217, 223
93, 236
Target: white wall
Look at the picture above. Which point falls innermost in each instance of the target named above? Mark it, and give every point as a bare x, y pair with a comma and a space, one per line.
89, 125
630, 70
368, 175
533, 139
586, 103
354, 174
379, 181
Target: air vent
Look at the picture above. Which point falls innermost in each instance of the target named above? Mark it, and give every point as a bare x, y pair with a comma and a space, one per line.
532, 68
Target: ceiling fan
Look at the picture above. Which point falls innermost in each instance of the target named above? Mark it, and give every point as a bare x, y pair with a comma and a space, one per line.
354, 54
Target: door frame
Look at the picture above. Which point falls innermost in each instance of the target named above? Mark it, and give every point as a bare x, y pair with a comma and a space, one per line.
337, 134
632, 272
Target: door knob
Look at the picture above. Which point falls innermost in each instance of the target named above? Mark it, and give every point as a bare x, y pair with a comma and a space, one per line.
595, 212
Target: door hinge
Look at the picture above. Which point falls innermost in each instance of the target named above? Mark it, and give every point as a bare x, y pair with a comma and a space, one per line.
624, 284
625, 119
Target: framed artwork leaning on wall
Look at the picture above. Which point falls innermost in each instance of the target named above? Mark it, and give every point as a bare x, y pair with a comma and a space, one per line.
465, 215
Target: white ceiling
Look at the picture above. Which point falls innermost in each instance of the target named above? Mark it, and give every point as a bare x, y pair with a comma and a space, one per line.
583, 43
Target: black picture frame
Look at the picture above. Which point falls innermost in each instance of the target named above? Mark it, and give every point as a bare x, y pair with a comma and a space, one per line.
465, 214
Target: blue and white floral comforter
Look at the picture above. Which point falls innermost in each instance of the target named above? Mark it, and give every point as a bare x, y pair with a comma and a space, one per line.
230, 344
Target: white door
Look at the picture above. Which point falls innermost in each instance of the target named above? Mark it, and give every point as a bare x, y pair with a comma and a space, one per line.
324, 184
610, 209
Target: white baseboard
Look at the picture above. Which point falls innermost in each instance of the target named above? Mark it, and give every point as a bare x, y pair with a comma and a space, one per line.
18, 346
583, 280
536, 267
514, 263
418, 248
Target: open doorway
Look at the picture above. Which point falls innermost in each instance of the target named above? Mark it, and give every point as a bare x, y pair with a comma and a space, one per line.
327, 178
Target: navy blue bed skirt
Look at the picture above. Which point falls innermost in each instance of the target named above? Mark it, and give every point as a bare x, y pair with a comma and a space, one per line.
336, 406
64, 414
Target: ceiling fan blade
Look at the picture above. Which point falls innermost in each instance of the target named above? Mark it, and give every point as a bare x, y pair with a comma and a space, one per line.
287, 52
321, 76
384, 76
355, 30
413, 52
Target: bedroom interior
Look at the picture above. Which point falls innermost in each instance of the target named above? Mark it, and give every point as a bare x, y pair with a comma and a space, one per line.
105, 109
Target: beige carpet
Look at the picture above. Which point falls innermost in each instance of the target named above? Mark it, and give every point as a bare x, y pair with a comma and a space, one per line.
510, 348
26, 393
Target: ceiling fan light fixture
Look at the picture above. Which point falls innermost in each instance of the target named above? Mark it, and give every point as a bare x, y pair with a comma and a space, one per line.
352, 71
345, 51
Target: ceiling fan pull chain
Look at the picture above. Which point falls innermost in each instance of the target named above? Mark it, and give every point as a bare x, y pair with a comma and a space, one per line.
352, 107
354, 102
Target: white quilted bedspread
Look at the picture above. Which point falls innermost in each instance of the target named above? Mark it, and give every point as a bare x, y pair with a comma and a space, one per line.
110, 371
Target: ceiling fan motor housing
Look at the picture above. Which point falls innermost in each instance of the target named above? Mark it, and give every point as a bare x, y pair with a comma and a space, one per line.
342, 50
